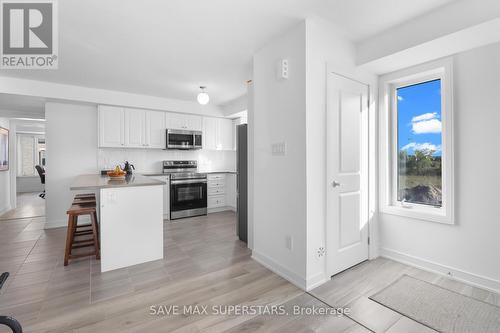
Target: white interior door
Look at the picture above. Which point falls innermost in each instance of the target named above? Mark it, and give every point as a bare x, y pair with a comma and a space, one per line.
347, 157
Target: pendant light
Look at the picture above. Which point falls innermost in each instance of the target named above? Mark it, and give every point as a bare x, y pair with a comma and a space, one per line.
203, 97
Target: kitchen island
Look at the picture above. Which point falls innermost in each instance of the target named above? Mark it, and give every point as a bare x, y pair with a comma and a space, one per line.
131, 218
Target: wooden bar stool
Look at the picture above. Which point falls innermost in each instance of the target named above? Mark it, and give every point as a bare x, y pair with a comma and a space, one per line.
76, 210
86, 198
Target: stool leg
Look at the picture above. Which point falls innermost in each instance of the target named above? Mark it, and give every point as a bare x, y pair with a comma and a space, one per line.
69, 239
93, 217
98, 230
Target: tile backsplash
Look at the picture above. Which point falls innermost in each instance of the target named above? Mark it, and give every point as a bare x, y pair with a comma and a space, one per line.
151, 160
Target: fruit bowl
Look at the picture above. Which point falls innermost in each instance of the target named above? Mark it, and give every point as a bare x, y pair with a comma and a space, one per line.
116, 174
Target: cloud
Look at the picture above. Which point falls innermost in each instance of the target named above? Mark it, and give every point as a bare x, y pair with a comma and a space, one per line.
425, 116
426, 123
400, 98
427, 126
422, 146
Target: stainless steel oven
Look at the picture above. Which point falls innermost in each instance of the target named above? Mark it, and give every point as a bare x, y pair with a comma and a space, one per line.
181, 139
188, 189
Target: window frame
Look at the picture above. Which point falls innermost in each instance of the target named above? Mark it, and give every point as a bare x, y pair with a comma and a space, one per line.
34, 137
389, 204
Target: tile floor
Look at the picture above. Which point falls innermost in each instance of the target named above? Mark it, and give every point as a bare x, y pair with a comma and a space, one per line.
204, 264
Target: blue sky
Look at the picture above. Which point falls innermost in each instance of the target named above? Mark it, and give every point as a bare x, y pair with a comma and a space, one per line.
419, 117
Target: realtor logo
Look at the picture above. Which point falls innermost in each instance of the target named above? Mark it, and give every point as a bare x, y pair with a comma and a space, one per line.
29, 34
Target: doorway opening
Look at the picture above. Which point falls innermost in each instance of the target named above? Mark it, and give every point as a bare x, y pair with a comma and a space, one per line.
23, 180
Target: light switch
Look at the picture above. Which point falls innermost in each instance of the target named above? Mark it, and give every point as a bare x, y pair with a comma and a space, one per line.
283, 69
278, 149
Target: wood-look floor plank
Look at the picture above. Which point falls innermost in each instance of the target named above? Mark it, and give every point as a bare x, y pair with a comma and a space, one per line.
204, 264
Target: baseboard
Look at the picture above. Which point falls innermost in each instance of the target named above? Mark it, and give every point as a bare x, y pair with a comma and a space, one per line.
5, 210
280, 270
450, 272
221, 209
316, 281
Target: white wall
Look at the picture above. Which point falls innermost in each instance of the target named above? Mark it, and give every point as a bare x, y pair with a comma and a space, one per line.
5, 177
71, 140
290, 191
326, 49
470, 250
71, 143
149, 161
79, 94
279, 184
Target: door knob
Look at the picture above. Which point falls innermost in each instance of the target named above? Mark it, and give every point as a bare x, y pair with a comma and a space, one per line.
335, 184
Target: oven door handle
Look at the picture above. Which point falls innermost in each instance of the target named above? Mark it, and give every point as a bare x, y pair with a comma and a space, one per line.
187, 181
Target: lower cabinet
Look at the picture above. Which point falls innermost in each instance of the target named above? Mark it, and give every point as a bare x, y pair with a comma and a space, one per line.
217, 193
166, 195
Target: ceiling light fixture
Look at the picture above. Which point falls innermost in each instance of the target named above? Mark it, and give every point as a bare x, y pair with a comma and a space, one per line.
203, 97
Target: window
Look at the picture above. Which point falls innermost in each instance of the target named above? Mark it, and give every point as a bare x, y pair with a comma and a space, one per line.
30, 152
417, 141
419, 169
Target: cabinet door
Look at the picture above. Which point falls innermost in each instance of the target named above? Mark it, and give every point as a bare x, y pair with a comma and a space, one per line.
111, 126
230, 191
155, 129
176, 121
225, 130
166, 195
135, 128
210, 133
194, 123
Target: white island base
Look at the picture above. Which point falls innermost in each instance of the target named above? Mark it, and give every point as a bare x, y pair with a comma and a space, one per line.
131, 226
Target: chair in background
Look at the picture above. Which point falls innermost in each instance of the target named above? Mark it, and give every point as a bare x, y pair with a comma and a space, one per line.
41, 173
8, 321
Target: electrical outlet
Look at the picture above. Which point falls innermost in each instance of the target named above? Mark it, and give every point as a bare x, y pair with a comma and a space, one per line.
321, 252
289, 242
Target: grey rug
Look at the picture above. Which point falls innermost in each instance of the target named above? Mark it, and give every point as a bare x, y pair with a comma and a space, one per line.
439, 308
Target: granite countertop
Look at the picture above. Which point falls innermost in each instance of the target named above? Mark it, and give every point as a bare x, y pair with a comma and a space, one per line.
96, 182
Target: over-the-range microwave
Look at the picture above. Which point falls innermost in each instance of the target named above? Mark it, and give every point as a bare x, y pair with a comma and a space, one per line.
183, 139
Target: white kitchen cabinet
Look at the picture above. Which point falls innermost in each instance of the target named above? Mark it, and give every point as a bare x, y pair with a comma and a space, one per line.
183, 121
221, 192
135, 128
218, 133
230, 191
155, 129
166, 195
111, 126
131, 128
216, 203
210, 133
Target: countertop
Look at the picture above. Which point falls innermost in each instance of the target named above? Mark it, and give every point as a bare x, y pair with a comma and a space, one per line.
96, 182
152, 174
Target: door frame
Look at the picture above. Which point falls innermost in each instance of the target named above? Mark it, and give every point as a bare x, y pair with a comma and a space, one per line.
369, 155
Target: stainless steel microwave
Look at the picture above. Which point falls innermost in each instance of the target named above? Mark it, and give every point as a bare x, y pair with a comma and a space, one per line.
182, 139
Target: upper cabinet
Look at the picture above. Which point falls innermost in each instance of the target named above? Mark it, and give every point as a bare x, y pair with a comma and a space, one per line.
111, 126
131, 128
138, 128
183, 121
135, 128
218, 134
156, 127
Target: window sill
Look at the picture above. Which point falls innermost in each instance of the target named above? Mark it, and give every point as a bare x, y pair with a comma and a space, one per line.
425, 214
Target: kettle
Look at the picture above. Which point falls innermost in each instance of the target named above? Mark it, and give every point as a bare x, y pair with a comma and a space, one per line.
128, 168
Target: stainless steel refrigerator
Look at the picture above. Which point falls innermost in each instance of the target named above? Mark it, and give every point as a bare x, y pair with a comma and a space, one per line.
242, 182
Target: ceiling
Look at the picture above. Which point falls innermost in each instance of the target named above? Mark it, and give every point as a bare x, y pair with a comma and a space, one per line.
21, 106
169, 48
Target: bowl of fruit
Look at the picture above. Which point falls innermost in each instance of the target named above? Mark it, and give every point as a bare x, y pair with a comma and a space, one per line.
117, 173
